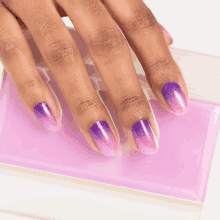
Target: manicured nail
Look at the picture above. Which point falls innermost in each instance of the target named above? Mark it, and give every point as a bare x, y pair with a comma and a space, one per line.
45, 116
169, 39
174, 97
104, 138
164, 30
145, 137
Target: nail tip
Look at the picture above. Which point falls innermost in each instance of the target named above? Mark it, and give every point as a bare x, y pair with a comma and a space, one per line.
52, 128
109, 153
149, 150
181, 112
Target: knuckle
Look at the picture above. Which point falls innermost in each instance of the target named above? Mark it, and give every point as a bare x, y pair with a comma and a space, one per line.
130, 102
160, 64
60, 51
84, 106
7, 48
30, 85
142, 19
104, 42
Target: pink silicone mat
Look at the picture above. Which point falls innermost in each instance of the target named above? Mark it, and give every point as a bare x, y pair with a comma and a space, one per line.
179, 169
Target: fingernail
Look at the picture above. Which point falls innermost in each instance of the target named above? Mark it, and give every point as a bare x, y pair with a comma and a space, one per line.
45, 116
145, 137
174, 97
104, 138
169, 39
164, 30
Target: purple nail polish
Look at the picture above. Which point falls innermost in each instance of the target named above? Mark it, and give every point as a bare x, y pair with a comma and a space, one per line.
174, 97
164, 30
104, 138
144, 137
45, 116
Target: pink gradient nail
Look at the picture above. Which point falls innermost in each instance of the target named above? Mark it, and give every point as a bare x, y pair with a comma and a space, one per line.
174, 97
164, 30
104, 138
144, 137
168, 38
45, 116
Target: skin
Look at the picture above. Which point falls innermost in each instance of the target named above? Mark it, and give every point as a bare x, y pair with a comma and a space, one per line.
96, 22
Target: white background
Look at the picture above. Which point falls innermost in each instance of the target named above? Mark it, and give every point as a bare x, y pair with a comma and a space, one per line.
194, 25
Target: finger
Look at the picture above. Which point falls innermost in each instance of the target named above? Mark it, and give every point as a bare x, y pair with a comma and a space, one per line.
21, 23
17, 59
146, 39
66, 64
109, 51
60, 10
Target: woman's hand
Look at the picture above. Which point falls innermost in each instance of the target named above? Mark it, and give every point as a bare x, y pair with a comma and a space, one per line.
98, 23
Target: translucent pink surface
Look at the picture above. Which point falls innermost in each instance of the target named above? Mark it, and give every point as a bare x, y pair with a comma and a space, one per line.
179, 169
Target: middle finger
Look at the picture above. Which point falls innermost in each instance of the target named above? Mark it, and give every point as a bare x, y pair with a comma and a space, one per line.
110, 53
